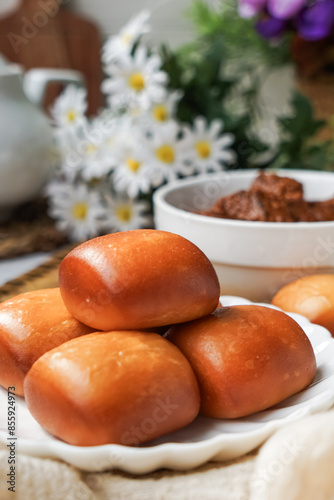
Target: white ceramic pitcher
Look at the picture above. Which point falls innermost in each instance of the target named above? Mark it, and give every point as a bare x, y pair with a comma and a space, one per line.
26, 143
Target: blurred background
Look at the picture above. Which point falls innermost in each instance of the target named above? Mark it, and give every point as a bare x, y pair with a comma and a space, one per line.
109, 15
261, 70
168, 17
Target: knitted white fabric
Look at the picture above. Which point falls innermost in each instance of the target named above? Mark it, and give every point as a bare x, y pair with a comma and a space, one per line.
296, 463
44, 479
210, 482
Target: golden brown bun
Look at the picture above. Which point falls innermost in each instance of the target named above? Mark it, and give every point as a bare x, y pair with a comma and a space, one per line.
136, 280
123, 387
30, 325
311, 296
246, 358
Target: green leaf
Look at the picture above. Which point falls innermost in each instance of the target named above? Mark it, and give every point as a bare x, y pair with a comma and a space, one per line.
298, 132
303, 122
240, 36
207, 20
221, 71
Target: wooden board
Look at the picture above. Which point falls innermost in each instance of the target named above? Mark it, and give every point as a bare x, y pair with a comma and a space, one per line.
37, 37
44, 276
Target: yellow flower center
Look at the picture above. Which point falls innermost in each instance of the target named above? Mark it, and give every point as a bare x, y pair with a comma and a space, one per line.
133, 164
80, 211
166, 153
136, 111
160, 113
137, 82
203, 149
71, 115
90, 148
126, 37
124, 213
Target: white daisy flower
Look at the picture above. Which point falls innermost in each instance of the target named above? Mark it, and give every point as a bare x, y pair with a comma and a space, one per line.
209, 146
134, 172
97, 157
123, 43
135, 81
170, 153
86, 151
70, 107
119, 133
124, 214
78, 211
162, 112
71, 160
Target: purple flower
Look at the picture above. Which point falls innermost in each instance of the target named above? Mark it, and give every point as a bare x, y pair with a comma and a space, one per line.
270, 27
317, 21
285, 9
249, 8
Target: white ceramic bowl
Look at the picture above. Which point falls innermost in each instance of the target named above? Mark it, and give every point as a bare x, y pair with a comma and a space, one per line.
252, 259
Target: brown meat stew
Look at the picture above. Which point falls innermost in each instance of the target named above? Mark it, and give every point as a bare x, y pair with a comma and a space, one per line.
271, 198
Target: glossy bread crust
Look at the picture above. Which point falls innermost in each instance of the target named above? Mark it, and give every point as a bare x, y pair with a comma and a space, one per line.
30, 325
123, 387
246, 358
312, 296
138, 279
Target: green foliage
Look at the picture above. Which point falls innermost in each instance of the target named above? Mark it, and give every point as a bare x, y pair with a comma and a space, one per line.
297, 148
221, 66
239, 35
207, 91
302, 123
225, 64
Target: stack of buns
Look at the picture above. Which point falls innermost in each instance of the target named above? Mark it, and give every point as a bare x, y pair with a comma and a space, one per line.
95, 369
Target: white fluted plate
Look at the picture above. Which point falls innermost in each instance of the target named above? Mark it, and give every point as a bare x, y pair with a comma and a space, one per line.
204, 440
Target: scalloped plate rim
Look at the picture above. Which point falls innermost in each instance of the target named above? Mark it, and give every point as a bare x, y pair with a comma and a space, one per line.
180, 455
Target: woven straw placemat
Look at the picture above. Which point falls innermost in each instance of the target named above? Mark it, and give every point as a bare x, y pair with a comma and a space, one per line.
29, 230
44, 276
